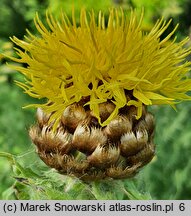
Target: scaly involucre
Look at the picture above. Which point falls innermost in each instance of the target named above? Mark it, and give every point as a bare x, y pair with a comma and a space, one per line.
103, 60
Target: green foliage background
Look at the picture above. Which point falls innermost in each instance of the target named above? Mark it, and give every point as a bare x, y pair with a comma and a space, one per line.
166, 177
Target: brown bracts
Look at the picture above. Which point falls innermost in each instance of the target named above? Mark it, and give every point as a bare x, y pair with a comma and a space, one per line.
81, 147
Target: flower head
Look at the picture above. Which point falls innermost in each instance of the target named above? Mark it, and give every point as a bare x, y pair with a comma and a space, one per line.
101, 60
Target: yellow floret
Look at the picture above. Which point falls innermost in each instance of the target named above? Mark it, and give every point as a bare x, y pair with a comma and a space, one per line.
100, 60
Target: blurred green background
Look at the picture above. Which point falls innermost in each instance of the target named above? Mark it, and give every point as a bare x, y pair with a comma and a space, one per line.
168, 175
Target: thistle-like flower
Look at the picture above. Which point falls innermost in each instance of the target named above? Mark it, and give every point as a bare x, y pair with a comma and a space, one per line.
98, 78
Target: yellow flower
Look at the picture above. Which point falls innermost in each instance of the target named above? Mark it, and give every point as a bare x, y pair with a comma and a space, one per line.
101, 61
